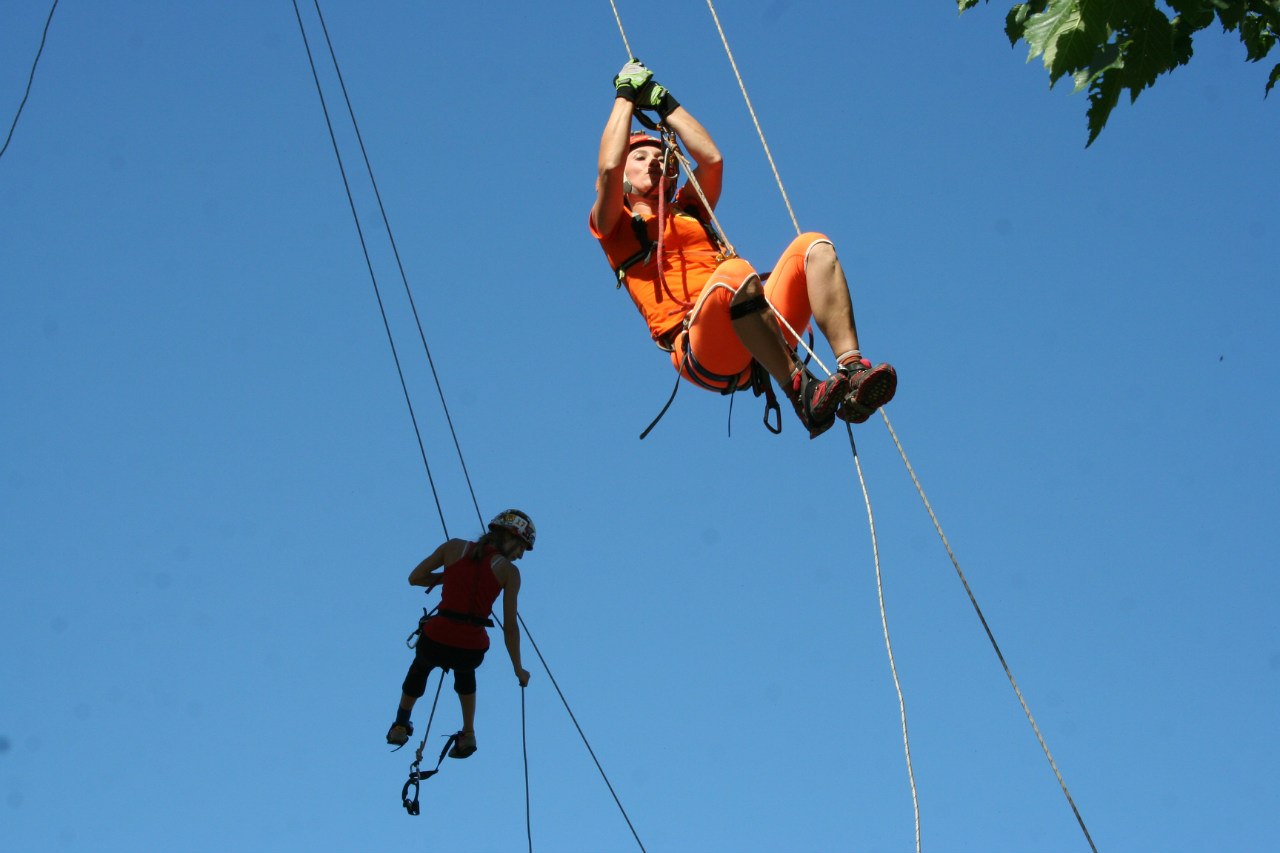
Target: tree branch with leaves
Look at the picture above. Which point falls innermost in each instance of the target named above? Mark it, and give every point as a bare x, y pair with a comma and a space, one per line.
1109, 46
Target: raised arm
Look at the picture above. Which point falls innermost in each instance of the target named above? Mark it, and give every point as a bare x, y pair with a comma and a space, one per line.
427, 572
702, 150
613, 146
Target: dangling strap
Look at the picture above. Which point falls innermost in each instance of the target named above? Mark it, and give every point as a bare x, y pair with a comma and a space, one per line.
412, 640
762, 383
759, 381
416, 776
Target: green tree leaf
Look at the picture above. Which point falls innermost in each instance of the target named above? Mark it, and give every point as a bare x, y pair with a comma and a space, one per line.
1257, 37
1108, 46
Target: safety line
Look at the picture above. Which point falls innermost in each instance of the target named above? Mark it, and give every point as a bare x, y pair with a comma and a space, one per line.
524, 749
884, 624
581, 734
875, 547
30, 78
752, 110
623, 32
435, 493
369, 264
400, 265
985, 627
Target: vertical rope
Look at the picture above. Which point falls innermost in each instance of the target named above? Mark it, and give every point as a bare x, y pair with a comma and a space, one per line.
987, 628
524, 749
871, 518
581, 733
884, 624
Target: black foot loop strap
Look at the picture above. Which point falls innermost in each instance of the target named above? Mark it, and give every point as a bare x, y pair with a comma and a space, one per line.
761, 383
417, 776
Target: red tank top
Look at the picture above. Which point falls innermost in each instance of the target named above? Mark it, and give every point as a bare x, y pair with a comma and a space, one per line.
469, 588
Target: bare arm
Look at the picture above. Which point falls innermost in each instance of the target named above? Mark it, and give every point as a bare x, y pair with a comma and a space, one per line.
613, 157
511, 621
427, 573
703, 151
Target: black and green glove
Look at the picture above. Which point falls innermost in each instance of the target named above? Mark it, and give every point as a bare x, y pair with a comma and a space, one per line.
654, 96
632, 79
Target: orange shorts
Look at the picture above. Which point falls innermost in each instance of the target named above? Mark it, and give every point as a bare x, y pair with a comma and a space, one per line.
717, 359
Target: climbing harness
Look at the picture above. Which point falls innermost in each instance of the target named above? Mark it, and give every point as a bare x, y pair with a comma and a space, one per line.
754, 376
412, 640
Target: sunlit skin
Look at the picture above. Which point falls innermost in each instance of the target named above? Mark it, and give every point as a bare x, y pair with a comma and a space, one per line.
641, 167
643, 170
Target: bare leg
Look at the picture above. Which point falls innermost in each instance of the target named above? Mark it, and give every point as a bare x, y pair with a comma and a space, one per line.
759, 333
407, 703
468, 703
830, 300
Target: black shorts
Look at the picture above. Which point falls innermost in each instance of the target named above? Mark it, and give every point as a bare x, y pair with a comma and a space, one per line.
430, 654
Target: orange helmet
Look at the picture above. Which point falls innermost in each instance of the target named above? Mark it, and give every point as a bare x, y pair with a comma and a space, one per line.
640, 138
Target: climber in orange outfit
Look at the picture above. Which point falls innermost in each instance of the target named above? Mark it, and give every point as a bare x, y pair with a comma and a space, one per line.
712, 312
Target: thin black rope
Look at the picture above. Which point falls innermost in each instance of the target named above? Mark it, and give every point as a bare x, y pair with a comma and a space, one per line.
426, 733
30, 78
581, 734
369, 264
404, 387
432, 715
399, 264
991, 637
524, 748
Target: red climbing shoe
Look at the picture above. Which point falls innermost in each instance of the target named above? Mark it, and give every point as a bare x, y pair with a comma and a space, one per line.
869, 389
816, 401
464, 744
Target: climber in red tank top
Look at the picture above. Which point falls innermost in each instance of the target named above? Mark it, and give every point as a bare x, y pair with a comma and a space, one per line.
454, 637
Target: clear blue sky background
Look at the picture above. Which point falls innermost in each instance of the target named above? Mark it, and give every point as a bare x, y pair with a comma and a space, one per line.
213, 495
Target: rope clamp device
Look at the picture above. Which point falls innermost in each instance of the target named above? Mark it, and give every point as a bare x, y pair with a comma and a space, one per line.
417, 776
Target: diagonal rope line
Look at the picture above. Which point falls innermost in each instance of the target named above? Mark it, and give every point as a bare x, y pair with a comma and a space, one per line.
754, 120
990, 636
30, 78
884, 624
369, 264
404, 387
581, 734
621, 31
399, 264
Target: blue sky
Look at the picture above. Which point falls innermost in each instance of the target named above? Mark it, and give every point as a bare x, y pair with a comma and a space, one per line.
213, 494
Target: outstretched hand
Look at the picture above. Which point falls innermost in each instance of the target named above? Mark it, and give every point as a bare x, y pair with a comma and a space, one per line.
523, 676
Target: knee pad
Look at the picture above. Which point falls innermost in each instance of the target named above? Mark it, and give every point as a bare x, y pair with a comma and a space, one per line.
464, 681
752, 305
